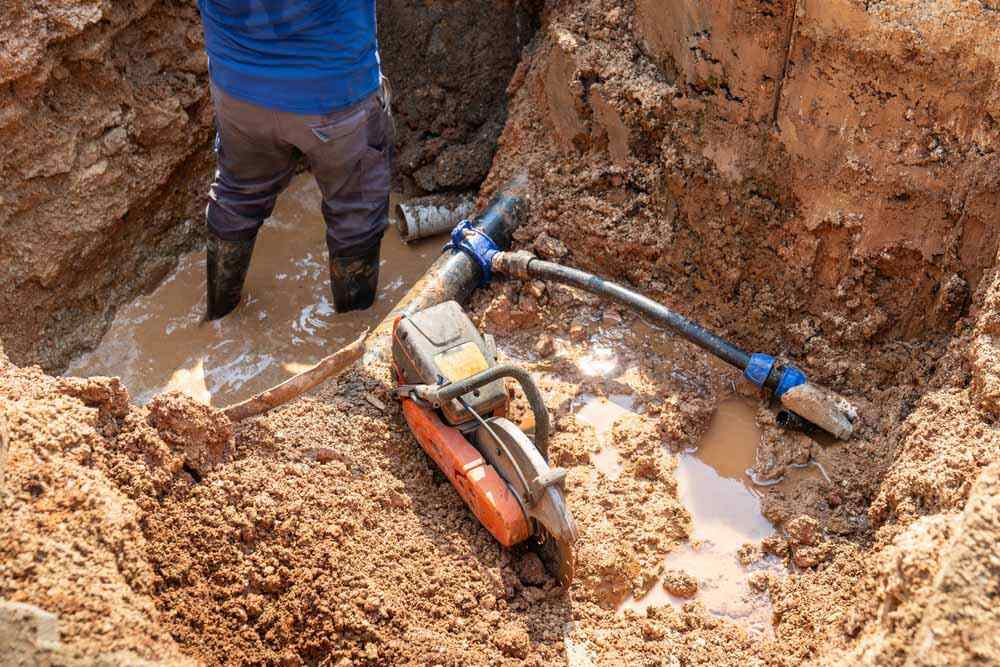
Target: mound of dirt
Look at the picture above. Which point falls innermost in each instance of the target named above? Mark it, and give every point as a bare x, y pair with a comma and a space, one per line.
71, 539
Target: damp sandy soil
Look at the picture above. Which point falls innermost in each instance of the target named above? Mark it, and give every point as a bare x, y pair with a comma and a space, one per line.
811, 179
285, 323
322, 529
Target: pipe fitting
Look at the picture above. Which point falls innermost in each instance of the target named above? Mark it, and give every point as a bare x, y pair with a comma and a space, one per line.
790, 377
513, 263
759, 368
478, 245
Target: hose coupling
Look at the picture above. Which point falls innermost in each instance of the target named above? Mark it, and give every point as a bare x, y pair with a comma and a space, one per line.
513, 263
761, 366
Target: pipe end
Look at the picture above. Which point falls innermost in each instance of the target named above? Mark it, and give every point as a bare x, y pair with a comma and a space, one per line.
402, 224
822, 407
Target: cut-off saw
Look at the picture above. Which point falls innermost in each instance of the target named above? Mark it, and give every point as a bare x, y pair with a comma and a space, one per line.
455, 400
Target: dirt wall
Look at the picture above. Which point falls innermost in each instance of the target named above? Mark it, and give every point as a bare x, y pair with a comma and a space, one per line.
449, 64
105, 132
833, 169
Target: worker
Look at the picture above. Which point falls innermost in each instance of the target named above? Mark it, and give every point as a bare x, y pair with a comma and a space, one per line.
295, 79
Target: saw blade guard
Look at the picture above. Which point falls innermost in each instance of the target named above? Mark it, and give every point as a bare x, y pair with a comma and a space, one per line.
538, 487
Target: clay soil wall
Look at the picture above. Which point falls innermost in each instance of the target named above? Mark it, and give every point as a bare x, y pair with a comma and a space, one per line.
830, 169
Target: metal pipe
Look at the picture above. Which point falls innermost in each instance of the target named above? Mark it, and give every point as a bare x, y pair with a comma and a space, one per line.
432, 215
454, 275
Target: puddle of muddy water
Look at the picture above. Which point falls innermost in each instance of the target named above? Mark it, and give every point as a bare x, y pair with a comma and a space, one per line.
714, 485
600, 361
285, 324
602, 413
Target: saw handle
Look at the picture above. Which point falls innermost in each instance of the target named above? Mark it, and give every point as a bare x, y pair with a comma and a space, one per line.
437, 395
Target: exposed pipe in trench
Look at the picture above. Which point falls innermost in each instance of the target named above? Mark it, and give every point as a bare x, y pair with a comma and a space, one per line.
817, 405
453, 276
478, 250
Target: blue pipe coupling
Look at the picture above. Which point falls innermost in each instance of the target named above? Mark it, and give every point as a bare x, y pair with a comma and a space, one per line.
475, 243
760, 367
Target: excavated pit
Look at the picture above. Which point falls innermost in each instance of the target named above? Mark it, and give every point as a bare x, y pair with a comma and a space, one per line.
812, 179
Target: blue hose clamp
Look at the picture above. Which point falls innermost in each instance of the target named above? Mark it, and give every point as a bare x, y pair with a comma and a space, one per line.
790, 377
477, 245
761, 365
759, 368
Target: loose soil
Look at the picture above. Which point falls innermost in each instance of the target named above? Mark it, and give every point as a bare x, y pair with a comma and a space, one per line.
812, 179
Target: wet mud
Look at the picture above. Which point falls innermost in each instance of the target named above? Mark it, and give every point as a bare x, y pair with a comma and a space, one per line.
284, 324
715, 483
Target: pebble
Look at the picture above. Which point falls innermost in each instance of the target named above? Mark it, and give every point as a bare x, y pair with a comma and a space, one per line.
680, 584
513, 641
775, 545
545, 347
802, 530
530, 570
611, 318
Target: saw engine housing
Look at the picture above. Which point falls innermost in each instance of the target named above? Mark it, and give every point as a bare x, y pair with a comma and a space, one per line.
441, 345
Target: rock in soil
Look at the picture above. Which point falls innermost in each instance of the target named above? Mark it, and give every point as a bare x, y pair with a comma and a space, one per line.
680, 584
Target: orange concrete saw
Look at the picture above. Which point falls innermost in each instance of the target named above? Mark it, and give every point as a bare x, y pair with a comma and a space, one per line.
455, 402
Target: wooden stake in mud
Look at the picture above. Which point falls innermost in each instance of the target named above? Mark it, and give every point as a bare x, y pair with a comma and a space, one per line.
295, 386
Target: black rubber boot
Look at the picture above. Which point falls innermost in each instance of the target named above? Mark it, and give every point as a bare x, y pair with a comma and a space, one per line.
354, 278
228, 262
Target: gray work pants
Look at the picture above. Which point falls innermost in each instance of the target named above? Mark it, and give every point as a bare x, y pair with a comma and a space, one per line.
348, 151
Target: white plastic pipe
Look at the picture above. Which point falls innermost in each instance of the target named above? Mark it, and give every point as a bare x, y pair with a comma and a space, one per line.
428, 216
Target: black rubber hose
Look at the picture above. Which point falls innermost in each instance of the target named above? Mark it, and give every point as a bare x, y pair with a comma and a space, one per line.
695, 333
471, 383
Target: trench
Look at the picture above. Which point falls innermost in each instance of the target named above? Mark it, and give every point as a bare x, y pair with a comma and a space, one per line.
285, 323
341, 542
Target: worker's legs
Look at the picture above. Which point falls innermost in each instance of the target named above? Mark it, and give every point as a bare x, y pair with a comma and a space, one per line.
254, 166
349, 152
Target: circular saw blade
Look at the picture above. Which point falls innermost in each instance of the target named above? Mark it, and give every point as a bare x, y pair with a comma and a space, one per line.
555, 529
558, 535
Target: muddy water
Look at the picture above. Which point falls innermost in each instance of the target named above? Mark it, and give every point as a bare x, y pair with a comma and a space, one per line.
715, 486
284, 324
602, 413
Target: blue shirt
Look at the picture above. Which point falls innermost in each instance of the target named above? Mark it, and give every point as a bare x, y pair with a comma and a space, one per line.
303, 56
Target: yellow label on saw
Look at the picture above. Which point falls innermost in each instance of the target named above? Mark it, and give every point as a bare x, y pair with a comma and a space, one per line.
461, 362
